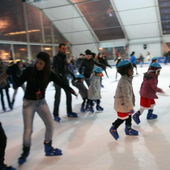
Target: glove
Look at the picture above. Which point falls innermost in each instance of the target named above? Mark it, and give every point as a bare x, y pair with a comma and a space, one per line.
96, 93
131, 111
73, 92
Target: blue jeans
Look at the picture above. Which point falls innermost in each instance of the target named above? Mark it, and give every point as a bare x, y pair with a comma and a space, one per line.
29, 109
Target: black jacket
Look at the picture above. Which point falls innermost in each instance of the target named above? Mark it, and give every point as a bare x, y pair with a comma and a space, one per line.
60, 66
87, 66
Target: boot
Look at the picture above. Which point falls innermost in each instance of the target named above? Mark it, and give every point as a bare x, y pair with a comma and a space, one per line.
136, 117
150, 115
50, 151
99, 108
114, 132
24, 155
130, 131
82, 110
91, 109
72, 114
5, 167
57, 118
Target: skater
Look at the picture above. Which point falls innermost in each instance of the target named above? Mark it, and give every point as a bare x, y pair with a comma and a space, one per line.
4, 86
78, 82
62, 70
37, 78
87, 66
124, 100
148, 92
141, 58
94, 89
118, 59
3, 143
133, 61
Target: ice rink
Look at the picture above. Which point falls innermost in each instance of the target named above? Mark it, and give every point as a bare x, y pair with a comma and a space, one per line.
86, 142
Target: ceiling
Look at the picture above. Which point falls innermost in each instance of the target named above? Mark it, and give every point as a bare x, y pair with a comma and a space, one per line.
94, 21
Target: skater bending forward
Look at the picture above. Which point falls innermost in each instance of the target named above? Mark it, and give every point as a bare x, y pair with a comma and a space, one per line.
148, 92
124, 100
38, 78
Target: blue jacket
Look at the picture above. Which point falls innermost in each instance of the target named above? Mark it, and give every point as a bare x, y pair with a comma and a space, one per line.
133, 59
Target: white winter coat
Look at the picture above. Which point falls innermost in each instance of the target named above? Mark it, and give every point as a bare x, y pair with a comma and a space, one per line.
124, 96
95, 86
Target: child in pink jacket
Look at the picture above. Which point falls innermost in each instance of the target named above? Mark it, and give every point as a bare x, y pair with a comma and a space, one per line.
148, 92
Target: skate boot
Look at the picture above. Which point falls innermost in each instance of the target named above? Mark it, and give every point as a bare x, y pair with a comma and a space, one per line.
87, 108
4, 109
136, 117
99, 108
91, 109
24, 155
130, 131
5, 167
114, 132
82, 110
72, 114
57, 118
150, 115
50, 151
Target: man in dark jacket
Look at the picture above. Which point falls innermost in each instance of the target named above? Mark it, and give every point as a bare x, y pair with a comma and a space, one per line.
87, 66
60, 67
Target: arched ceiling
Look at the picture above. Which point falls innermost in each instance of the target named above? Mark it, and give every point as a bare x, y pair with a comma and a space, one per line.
94, 21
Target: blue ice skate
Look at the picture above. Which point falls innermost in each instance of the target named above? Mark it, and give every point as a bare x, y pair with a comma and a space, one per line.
5, 167
114, 133
22, 159
99, 108
150, 115
82, 110
57, 119
136, 117
72, 114
50, 151
130, 131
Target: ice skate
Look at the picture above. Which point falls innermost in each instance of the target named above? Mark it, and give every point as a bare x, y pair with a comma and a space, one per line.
136, 117
24, 155
99, 108
130, 131
150, 115
114, 132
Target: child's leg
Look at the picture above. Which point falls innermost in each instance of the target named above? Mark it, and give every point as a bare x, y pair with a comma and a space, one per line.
113, 129
82, 105
98, 107
128, 129
137, 114
91, 105
150, 114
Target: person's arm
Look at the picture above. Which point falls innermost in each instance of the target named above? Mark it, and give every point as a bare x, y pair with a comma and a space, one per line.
3, 76
99, 64
61, 83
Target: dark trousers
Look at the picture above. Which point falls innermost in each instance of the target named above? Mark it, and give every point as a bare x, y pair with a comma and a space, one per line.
86, 102
91, 102
118, 122
3, 141
2, 97
57, 99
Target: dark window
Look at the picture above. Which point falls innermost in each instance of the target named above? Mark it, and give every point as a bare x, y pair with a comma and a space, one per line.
12, 25
47, 29
21, 52
34, 24
48, 49
35, 49
5, 52
109, 34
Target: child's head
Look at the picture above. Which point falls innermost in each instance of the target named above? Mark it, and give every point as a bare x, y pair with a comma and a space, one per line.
88, 54
97, 71
118, 54
80, 77
125, 67
156, 68
154, 60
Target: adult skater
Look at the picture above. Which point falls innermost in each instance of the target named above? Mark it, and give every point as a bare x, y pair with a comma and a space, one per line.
37, 78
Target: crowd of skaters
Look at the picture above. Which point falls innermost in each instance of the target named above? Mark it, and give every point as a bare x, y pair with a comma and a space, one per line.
90, 67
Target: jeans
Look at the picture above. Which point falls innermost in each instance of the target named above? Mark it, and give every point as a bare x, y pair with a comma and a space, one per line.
29, 109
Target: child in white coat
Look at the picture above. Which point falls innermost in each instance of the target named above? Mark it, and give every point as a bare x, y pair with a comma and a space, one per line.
94, 89
124, 99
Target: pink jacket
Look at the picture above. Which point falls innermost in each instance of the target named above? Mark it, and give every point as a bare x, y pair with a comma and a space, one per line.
149, 86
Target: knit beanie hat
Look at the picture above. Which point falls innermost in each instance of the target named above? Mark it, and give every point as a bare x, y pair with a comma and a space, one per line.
88, 52
93, 55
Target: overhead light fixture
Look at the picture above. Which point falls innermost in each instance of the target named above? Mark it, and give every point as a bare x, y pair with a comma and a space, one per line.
47, 48
100, 48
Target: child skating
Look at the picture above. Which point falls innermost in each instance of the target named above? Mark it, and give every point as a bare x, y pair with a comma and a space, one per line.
78, 82
124, 100
148, 92
94, 89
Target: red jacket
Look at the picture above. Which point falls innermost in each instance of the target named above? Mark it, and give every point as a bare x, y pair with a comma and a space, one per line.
149, 86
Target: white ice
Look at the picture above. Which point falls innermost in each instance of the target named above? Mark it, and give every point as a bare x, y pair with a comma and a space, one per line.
86, 142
